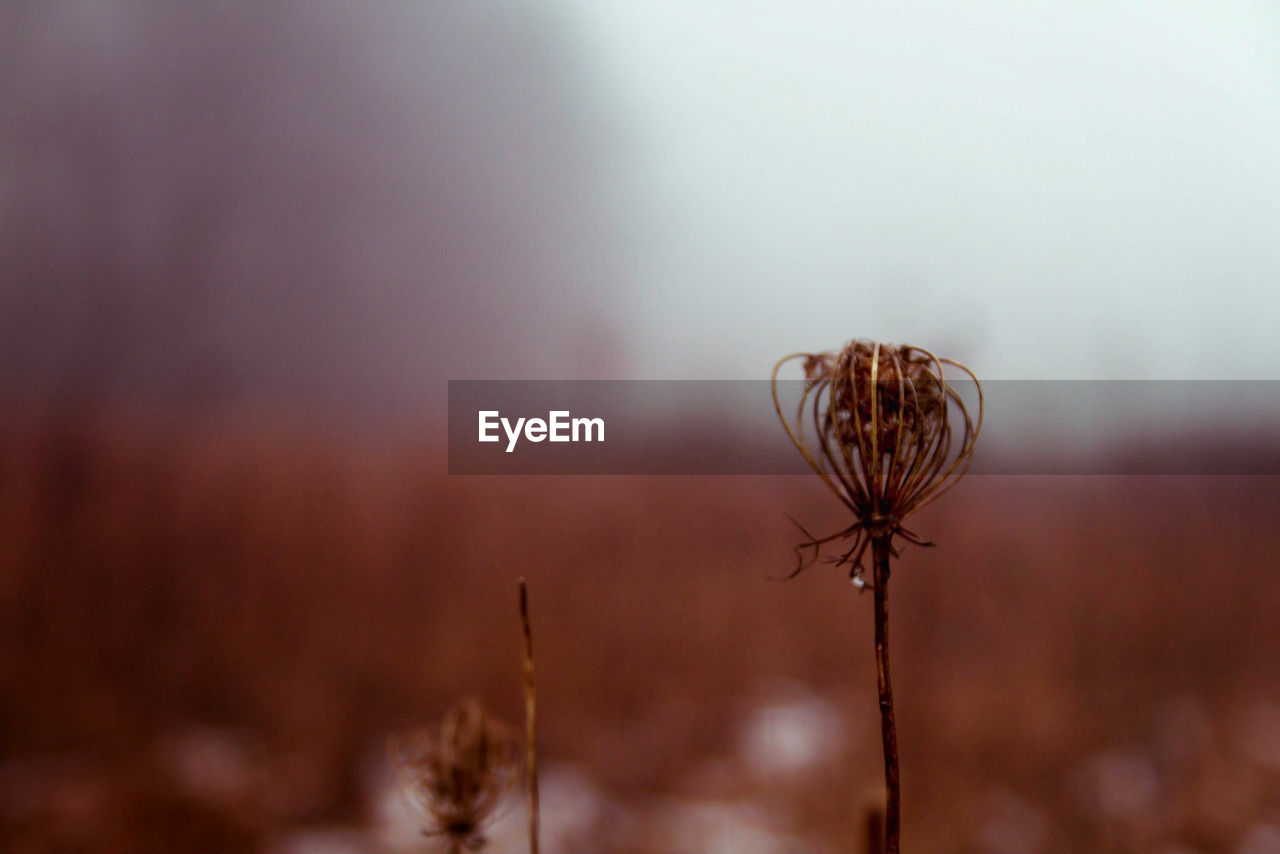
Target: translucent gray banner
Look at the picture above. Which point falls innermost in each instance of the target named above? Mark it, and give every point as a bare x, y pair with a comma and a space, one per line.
1229, 427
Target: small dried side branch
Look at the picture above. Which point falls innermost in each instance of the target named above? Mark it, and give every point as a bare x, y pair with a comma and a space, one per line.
455, 777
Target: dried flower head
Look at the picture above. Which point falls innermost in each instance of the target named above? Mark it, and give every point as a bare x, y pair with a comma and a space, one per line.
886, 443
456, 777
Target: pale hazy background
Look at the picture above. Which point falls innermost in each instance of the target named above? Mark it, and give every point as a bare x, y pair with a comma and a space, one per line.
229, 231
341, 205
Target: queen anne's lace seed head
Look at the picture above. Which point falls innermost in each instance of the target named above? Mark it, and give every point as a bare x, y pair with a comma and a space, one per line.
890, 435
455, 778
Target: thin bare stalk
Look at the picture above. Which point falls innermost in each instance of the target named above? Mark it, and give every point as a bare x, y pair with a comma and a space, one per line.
530, 720
887, 434
888, 728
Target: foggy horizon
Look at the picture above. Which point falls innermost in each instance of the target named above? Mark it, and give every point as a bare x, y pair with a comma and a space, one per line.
334, 210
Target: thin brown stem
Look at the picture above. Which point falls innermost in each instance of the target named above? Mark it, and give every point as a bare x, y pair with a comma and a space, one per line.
888, 729
530, 720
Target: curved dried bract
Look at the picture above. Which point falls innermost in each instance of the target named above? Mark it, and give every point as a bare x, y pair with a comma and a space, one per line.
891, 436
454, 778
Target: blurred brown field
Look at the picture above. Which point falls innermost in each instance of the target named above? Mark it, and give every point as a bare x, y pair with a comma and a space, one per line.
210, 629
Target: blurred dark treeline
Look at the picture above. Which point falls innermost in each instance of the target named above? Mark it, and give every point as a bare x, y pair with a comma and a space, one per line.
308, 205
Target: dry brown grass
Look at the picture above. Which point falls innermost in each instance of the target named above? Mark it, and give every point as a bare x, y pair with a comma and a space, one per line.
310, 595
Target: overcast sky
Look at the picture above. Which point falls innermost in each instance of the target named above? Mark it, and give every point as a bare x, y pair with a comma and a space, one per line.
1066, 190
